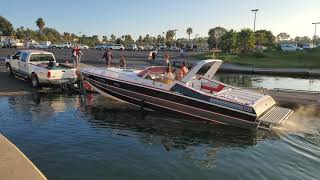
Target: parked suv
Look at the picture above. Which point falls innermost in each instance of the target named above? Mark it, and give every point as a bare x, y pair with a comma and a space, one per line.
132, 47
117, 47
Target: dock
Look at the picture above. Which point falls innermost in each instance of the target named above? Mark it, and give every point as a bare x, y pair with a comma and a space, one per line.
14, 165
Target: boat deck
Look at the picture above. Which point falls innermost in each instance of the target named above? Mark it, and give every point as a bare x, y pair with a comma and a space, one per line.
239, 96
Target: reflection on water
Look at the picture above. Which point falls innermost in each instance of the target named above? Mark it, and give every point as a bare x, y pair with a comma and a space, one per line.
269, 82
91, 137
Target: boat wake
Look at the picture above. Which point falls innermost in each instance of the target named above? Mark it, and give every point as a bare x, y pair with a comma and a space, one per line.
305, 119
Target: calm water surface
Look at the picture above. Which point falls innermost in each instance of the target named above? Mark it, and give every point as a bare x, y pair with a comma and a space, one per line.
270, 82
74, 137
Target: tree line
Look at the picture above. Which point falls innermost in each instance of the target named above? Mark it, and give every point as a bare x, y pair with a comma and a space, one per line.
229, 41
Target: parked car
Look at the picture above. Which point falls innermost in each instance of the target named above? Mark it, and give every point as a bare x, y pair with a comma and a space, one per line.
15, 44
189, 47
140, 48
33, 46
308, 46
83, 46
173, 48
149, 48
102, 46
132, 47
42, 45
162, 47
41, 67
117, 47
289, 47
261, 48
98, 46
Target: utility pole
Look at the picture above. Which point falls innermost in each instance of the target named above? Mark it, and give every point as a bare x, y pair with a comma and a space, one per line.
255, 18
79, 37
315, 33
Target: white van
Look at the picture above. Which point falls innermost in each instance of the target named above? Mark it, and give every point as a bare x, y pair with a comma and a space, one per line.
290, 47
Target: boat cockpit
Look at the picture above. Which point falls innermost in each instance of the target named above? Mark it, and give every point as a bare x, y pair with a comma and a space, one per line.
164, 74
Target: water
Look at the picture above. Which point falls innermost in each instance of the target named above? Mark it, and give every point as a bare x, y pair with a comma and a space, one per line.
270, 82
74, 137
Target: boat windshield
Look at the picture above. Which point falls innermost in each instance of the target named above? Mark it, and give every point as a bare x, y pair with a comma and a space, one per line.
159, 74
146, 71
205, 68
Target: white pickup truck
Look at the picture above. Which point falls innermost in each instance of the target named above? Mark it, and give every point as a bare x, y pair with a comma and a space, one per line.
40, 67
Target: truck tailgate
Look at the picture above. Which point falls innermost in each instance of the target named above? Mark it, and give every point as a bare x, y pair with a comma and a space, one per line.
59, 74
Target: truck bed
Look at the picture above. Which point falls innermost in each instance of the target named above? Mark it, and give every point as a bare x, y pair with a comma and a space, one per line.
59, 67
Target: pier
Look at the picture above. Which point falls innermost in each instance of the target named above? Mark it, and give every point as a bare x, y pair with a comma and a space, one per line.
14, 165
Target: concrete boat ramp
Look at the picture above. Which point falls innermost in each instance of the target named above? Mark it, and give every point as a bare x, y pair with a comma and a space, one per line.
14, 165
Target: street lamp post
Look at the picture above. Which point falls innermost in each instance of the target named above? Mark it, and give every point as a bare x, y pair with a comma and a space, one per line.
315, 32
163, 37
255, 18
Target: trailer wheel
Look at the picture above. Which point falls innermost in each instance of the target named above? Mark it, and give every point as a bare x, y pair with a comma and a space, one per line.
35, 81
9, 70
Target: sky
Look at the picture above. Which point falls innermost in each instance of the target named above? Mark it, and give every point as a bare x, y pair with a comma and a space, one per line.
141, 17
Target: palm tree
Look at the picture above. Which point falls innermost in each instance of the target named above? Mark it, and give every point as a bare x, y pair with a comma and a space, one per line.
113, 38
40, 23
189, 32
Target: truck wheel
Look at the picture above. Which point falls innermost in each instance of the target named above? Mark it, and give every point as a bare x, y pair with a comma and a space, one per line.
9, 70
35, 81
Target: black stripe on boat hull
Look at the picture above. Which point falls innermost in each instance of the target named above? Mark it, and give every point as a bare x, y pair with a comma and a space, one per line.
164, 105
186, 91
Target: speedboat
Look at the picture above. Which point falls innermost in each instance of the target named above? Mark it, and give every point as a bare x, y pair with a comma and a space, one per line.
197, 95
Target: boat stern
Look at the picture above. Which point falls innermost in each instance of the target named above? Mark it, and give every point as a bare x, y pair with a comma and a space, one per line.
276, 116
269, 114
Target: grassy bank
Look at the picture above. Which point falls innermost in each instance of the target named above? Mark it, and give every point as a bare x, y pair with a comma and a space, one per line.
272, 59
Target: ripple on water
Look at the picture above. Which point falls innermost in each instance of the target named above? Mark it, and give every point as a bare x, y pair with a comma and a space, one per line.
75, 137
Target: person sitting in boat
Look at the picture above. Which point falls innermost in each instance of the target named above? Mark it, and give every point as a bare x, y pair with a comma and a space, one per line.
123, 62
183, 70
168, 76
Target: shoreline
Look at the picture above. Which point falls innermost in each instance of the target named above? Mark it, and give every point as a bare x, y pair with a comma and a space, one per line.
15, 164
235, 68
140, 58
